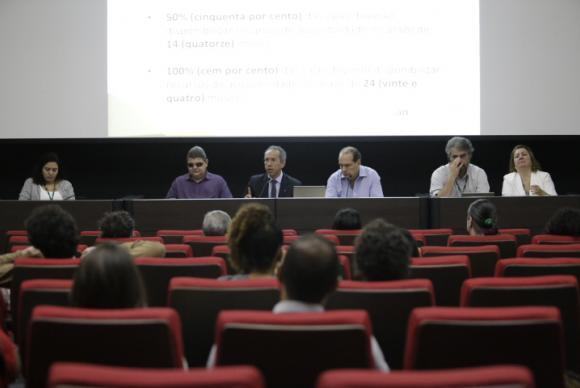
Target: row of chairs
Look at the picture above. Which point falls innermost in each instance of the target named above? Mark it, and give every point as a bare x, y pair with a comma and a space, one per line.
291, 350
86, 375
199, 301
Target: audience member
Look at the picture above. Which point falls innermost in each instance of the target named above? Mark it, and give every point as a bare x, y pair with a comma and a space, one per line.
47, 181
308, 275
481, 218
459, 175
526, 177
352, 179
347, 219
382, 252
120, 224
107, 278
565, 222
198, 182
274, 182
216, 223
52, 232
255, 242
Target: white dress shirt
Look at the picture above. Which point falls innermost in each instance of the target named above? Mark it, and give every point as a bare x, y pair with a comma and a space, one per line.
474, 181
513, 186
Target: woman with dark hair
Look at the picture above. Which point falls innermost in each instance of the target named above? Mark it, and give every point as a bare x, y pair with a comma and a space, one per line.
481, 218
347, 219
564, 222
47, 181
107, 278
255, 242
526, 177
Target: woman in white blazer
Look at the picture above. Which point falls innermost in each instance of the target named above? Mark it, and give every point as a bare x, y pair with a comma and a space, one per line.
525, 177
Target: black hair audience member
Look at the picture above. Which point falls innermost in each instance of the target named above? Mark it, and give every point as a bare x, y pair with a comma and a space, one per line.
107, 278
482, 218
347, 219
310, 270
565, 222
53, 231
216, 223
120, 224
382, 252
255, 242
47, 181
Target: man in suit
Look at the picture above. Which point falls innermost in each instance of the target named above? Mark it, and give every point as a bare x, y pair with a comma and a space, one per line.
274, 182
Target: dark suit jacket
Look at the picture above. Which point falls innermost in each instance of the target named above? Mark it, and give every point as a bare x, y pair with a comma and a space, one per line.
258, 185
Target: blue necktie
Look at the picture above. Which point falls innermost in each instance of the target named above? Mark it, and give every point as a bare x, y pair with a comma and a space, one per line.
273, 188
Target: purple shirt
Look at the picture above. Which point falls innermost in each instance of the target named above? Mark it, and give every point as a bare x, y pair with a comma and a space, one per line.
212, 186
367, 184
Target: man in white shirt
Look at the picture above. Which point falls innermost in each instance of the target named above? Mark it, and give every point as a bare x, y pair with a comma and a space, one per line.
458, 176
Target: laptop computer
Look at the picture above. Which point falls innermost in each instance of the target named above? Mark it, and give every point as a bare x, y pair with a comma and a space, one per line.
309, 191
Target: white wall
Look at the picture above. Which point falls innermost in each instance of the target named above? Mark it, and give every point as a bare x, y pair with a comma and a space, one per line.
53, 67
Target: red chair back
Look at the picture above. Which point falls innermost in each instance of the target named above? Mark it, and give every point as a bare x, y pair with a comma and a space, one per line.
203, 245
482, 259
507, 243
345, 237
549, 250
433, 236
554, 239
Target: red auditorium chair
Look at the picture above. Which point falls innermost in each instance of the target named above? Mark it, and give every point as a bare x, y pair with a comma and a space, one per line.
507, 243
345, 237
448, 337
28, 269
345, 267
289, 232
538, 267
346, 250
158, 272
292, 349
37, 292
18, 239
89, 237
289, 239
560, 291
549, 250
203, 245
175, 236
523, 235
482, 259
433, 236
8, 359
198, 302
485, 376
101, 240
389, 305
143, 337
178, 251
80, 248
447, 274
555, 239
64, 375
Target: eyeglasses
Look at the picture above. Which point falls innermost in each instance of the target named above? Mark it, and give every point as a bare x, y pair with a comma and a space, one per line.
198, 164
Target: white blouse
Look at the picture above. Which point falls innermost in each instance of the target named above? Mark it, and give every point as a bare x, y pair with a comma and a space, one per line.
513, 185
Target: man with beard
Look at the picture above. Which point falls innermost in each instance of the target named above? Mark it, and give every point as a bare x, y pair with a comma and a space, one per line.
458, 176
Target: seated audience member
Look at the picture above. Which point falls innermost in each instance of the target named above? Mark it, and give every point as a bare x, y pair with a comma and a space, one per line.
255, 242
47, 181
459, 175
526, 177
52, 232
120, 224
107, 278
198, 182
274, 182
564, 222
308, 275
382, 252
481, 218
347, 219
353, 180
216, 223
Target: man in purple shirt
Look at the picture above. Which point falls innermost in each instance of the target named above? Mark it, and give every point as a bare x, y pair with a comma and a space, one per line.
198, 182
352, 180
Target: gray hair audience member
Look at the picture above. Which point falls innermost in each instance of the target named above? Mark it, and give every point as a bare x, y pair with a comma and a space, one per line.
216, 223
565, 222
347, 219
107, 278
382, 252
